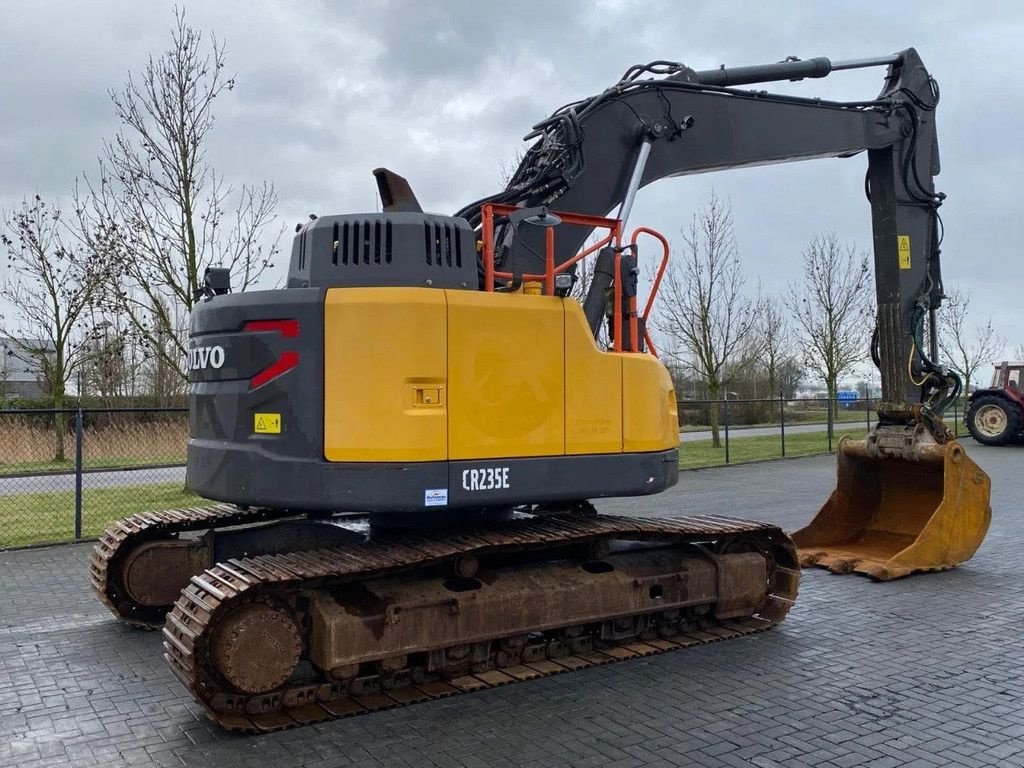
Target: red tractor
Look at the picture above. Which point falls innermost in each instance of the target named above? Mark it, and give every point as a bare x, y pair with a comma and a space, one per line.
995, 415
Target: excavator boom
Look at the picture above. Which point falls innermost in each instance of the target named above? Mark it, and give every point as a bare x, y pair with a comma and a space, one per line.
590, 157
593, 155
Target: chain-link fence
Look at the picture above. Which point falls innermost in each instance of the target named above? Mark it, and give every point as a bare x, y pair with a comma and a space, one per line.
67, 474
735, 431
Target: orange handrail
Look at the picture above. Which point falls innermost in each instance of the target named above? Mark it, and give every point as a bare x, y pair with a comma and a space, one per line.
657, 277
613, 238
489, 210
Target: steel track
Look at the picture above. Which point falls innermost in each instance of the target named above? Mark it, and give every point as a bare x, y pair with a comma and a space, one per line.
121, 538
210, 595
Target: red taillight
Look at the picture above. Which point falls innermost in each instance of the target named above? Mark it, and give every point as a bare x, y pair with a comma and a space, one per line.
283, 364
289, 329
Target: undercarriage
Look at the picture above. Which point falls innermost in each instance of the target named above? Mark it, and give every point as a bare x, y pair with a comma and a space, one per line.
383, 618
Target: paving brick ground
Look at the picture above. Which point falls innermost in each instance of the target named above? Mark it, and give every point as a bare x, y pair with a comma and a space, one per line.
922, 672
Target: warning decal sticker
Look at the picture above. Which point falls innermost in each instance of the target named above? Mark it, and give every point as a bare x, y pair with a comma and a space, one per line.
903, 242
267, 423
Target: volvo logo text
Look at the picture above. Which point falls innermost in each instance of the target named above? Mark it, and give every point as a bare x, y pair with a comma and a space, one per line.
201, 358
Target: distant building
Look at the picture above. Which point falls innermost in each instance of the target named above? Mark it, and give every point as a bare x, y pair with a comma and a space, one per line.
20, 372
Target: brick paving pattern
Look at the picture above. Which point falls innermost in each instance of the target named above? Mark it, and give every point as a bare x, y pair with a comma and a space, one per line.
922, 672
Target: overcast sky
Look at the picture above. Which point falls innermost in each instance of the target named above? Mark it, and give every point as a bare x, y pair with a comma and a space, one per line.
442, 92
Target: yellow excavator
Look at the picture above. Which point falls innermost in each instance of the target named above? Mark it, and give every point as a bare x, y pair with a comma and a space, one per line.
405, 440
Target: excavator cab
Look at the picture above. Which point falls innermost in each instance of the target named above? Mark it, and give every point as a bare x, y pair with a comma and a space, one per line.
890, 516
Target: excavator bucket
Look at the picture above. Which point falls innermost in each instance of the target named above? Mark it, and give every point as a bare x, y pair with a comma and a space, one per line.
890, 517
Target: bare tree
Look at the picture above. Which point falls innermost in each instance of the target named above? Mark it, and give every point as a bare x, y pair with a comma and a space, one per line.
777, 355
111, 368
159, 213
1018, 352
832, 308
704, 314
5, 370
50, 285
966, 347
507, 167
164, 382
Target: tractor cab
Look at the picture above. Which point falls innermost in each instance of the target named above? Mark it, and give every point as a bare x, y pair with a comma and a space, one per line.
995, 415
1009, 375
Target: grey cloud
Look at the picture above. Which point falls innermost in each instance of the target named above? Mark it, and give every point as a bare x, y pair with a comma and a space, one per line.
443, 93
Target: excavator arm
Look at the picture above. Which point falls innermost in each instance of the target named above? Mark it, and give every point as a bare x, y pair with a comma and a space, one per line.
907, 498
593, 155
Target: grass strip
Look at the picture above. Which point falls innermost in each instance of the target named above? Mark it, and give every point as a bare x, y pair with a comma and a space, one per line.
38, 518
742, 450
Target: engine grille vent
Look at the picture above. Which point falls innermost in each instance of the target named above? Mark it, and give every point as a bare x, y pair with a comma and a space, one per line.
363, 243
400, 248
442, 243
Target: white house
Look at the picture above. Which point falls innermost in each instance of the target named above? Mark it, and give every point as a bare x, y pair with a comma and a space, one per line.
20, 372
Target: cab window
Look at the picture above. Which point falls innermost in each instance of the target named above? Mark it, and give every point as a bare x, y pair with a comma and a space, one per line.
1013, 380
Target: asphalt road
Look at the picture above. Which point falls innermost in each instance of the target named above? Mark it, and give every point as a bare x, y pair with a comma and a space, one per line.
916, 673
106, 479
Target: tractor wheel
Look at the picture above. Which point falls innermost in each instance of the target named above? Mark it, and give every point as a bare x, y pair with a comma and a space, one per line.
993, 420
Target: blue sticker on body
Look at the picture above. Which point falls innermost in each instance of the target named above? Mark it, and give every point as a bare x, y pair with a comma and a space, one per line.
435, 497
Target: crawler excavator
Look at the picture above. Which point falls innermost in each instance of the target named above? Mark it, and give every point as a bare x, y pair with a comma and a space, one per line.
405, 440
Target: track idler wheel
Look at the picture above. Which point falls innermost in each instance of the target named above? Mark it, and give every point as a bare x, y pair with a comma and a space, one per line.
257, 648
155, 572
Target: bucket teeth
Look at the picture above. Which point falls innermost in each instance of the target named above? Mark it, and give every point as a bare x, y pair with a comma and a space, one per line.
837, 564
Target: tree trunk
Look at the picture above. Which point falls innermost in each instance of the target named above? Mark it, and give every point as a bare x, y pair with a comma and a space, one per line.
60, 426
832, 384
713, 391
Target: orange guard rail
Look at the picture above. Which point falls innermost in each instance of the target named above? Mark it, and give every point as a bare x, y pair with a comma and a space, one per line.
547, 278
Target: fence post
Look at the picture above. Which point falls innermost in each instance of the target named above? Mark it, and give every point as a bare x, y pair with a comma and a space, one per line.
956, 420
727, 420
78, 473
831, 422
867, 414
782, 422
